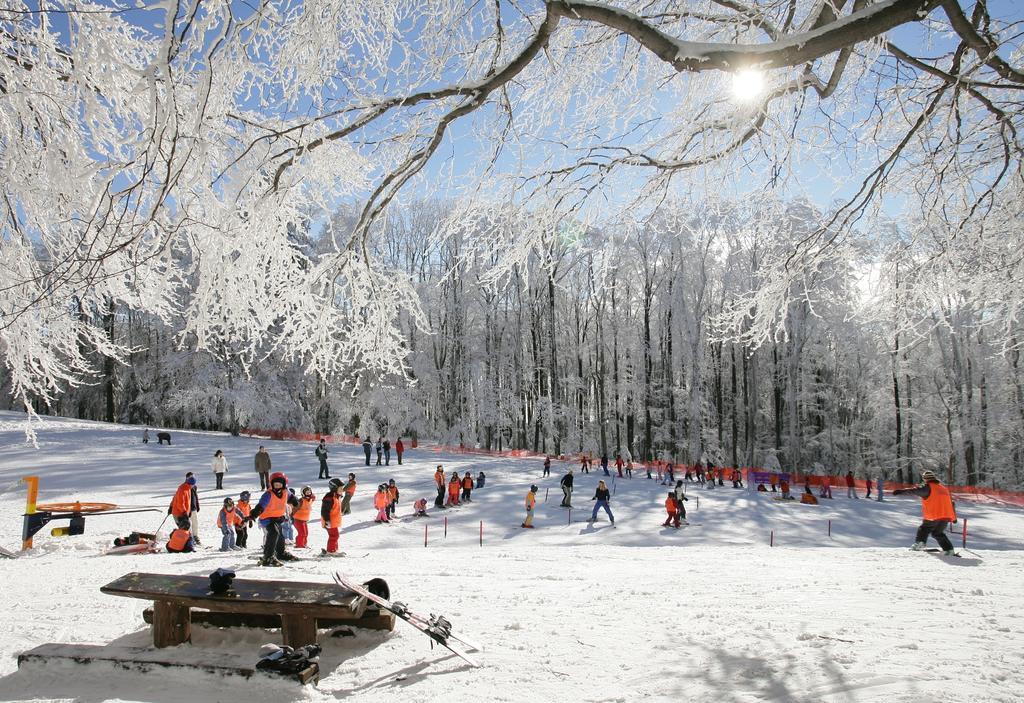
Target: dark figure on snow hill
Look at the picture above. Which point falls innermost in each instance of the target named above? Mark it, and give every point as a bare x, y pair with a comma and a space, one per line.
387, 452
263, 467
272, 512
380, 451
145, 436
602, 495
547, 466
566, 484
367, 448
399, 450
193, 516
162, 437
937, 508
604, 464
480, 480
321, 454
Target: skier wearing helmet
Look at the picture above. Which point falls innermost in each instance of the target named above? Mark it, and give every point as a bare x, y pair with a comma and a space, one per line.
272, 512
330, 514
300, 517
937, 508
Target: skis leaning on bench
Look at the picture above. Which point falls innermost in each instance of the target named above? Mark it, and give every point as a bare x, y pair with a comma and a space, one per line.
436, 627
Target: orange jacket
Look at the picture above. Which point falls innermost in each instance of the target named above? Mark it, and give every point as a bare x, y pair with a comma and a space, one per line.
380, 500
531, 500
392, 494
178, 540
938, 505
467, 482
670, 505
181, 503
350, 488
333, 509
243, 507
439, 478
232, 517
302, 512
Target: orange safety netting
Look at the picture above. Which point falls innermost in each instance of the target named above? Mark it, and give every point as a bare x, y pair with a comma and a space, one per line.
976, 493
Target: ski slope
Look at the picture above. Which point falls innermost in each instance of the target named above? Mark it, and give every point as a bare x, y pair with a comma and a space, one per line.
570, 611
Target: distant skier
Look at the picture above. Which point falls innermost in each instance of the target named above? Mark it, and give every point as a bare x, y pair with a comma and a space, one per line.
454, 486
321, 454
380, 451
851, 490
604, 464
392, 498
145, 436
262, 463
440, 483
547, 466
566, 484
387, 452
399, 450
367, 448
602, 495
219, 467
467, 487
349, 490
619, 464
867, 483
272, 512
937, 509
330, 514
480, 480
680, 494
826, 487
531, 503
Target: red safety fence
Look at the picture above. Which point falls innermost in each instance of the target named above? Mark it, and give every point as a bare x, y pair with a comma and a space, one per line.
838, 483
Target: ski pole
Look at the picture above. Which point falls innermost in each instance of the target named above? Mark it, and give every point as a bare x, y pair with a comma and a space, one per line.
160, 526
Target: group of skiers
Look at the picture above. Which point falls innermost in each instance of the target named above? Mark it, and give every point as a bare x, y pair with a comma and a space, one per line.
383, 450
458, 489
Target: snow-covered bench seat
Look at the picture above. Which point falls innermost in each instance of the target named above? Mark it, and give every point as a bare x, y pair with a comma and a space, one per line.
298, 604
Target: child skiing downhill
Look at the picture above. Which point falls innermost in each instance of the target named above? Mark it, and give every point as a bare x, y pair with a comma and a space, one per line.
241, 531
300, 517
602, 495
330, 514
228, 518
566, 484
937, 511
380, 502
272, 512
531, 503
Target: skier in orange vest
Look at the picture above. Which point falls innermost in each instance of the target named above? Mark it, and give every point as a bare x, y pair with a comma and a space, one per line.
937, 509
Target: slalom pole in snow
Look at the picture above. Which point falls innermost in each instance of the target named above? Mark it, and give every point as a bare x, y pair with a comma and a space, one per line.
446, 527
546, 494
965, 533
830, 529
771, 539
424, 535
481, 533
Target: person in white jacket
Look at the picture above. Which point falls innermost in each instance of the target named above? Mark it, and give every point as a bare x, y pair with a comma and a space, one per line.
220, 467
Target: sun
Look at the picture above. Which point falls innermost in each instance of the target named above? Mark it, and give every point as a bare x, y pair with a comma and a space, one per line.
747, 84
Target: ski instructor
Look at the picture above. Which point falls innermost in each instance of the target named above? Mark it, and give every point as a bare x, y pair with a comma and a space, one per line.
937, 507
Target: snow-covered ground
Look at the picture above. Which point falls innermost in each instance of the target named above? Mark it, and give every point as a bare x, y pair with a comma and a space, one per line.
568, 612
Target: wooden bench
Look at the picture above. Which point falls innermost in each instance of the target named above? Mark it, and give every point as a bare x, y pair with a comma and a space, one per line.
298, 605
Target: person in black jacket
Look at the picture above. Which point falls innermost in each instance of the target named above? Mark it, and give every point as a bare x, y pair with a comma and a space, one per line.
367, 448
602, 495
321, 454
566, 484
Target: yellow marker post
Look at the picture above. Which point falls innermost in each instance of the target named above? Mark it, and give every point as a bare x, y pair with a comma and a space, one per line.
30, 502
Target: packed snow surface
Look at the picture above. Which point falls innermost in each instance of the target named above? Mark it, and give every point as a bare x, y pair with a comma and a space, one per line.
570, 611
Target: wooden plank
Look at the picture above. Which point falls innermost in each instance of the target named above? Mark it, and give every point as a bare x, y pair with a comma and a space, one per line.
142, 659
298, 630
247, 596
372, 619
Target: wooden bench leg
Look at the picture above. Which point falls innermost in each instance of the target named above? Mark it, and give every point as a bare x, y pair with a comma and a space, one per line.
172, 624
298, 630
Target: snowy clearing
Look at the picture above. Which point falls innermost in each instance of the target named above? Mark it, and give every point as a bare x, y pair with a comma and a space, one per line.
569, 611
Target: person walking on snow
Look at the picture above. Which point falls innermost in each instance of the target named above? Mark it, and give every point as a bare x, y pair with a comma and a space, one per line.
300, 518
367, 448
321, 454
399, 449
272, 512
531, 503
228, 518
387, 452
602, 495
604, 464
851, 490
349, 491
467, 487
867, 482
263, 467
220, 467
673, 512
330, 514
193, 515
619, 464
380, 451
937, 510
566, 484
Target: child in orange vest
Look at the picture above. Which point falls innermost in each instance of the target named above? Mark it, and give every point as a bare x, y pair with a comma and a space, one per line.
242, 529
380, 502
531, 503
467, 487
453, 488
392, 498
301, 517
228, 519
672, 509
420, 508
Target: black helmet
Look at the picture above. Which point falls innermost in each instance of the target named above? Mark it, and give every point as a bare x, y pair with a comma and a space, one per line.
244, 495
534, 489
334, 484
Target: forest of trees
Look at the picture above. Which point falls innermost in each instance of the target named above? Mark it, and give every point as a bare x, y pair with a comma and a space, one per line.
599, 340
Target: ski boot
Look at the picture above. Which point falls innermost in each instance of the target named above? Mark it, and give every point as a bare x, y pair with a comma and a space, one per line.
287, 556
917, 547
272, 561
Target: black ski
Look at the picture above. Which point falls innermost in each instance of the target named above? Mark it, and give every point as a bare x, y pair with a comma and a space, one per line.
436, 627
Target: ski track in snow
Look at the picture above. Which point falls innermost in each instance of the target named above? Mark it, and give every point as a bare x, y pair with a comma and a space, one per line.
566, 612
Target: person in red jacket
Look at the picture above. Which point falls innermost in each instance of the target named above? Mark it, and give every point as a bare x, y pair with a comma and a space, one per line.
399, 450
937, 509
851, 490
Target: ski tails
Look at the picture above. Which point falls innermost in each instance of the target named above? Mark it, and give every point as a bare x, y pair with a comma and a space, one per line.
436, 627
